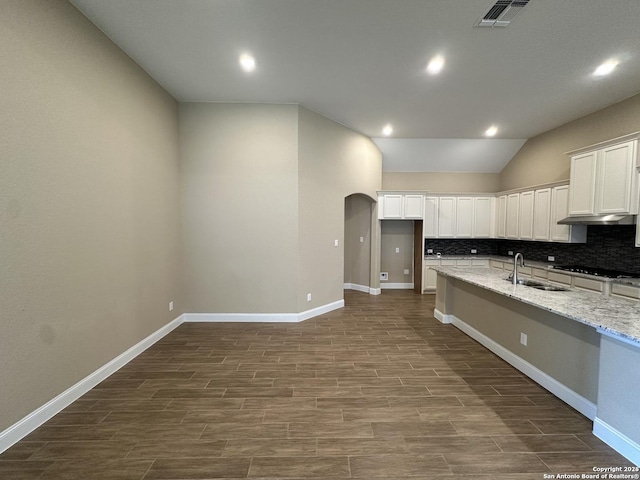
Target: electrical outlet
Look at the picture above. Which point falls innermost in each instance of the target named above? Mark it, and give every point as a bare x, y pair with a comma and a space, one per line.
511, 253
308, 297
171, 306
473, 250
361, 239
384, 276
406, 271
523, 339
429, 251
551, 258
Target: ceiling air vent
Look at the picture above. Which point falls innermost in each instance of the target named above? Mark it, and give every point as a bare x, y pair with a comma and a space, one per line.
501, 13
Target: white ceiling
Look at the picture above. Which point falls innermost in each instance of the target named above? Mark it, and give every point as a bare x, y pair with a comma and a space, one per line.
446, 154
362, 62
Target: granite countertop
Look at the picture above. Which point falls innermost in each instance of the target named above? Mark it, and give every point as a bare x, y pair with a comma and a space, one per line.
614, 316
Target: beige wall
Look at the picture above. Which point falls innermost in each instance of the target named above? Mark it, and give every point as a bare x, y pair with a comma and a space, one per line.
357, 254
396, 234
562, 348
542, 159
240, 207
438, 182
334, 162
89, 234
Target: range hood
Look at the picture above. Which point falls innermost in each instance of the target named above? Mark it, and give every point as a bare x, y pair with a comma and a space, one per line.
600, 220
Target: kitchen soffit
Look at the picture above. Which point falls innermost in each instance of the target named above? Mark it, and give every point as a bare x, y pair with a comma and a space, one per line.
362, 62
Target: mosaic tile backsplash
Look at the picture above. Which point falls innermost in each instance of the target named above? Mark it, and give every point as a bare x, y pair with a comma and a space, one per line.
607, 247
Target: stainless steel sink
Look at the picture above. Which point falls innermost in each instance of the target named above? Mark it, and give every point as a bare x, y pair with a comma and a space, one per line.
539, 285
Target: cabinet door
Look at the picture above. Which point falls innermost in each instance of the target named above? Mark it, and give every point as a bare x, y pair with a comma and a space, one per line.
431, 217
464, 217
559, 210
583, 184
483, 217
447, 217
413, 206
392, 206
525, 216
542, 214
616, 182
511, 219
501, 216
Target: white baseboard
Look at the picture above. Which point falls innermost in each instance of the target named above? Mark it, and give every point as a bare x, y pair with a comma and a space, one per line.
356, 287
375, 291
577, 401
263, 317
441, 317
28, 424
397, 286
616, 440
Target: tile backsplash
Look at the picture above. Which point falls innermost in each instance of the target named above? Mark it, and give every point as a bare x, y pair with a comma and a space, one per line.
611, 246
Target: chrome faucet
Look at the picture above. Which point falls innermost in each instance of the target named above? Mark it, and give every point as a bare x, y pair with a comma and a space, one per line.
515, 267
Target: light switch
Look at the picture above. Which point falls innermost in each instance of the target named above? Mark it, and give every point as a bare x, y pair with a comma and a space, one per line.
397, 249
361, 239
335, 243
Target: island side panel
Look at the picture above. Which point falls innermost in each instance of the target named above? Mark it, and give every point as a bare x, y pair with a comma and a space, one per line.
619, 389
564, 349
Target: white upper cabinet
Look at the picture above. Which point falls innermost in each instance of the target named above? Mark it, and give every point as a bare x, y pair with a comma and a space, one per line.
398, 206
616, 179
560, 210
464, 217
542, 214
583, 178
483, 208
603, 179
525, 216
447, 217
430, 226
501, 216
414, 206
511, 217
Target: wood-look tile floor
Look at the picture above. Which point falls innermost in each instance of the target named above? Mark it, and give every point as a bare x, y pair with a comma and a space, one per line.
378, 389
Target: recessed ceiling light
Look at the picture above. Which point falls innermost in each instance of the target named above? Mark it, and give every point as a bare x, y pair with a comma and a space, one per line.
606, 68
387, 130
491, 131
435, 65
247, 62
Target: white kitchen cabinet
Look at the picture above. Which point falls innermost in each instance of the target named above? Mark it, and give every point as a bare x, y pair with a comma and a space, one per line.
464, 217
542, 214
447, 217
603, 178
525, 216
501, 216
430, 225
483, 208
399, 206
560, 210
582, 198
616, 181
431, 276
511, 217
413, 206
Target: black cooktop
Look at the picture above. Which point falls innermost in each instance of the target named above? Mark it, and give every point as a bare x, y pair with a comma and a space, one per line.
598, 272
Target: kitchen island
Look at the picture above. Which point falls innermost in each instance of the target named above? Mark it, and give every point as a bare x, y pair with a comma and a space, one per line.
581, 346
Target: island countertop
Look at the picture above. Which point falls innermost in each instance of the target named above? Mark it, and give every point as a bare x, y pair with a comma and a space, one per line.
612, 316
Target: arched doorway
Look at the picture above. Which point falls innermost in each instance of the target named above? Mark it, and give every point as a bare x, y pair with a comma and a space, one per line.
358, 219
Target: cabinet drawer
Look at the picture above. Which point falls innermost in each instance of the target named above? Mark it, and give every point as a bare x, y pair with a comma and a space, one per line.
431, 263
495, 264
627, 291
588, 284
463, 263
478, 263
559, 278
540, 272
524, 271
449, 263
